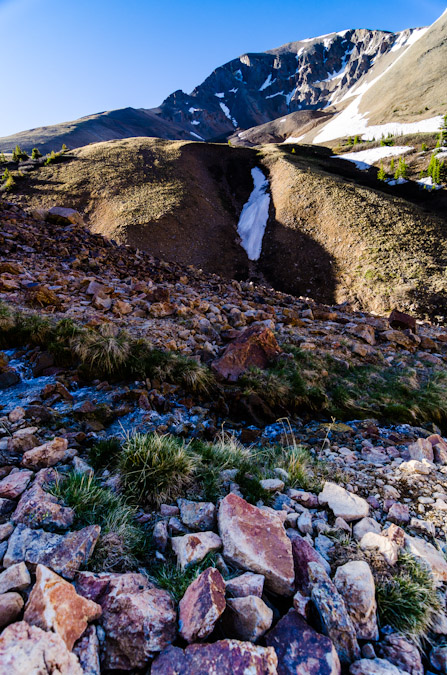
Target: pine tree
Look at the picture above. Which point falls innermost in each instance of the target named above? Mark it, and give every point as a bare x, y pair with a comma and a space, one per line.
64, 147
18, 154
356, 140
381, 175
35, 154
392, 163
2, 158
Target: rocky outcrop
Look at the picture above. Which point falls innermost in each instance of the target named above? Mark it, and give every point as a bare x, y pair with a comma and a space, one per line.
256, 346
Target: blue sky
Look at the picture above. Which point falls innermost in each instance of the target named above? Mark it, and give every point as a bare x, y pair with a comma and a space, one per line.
62, 59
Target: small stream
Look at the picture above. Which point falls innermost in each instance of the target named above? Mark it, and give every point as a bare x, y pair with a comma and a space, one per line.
254, 216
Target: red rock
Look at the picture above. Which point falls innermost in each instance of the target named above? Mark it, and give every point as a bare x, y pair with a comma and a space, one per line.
255, 540
401, 321
139, 620
202, 605
224, 657
38, 508
300, 649
28, 649
256, 346
48, 454
303, 553
54, 605
192, 548
246, 584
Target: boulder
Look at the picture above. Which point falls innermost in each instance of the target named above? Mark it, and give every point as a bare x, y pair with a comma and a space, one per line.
48, 454
13, 485
139, 619
7, 506
421, 449
218, 658
300, 649
197, 515
248, 618
401, 653
38, 508
11, 605
303, 553
15, 578
54, 605
61, 215
335, 620
355, 583
402, 321
342, 503
64, 554
245, 584
202, 605
28, 649
366, 525
256, 541
375, 667
428, 555
256, 346
389, 549
192, 548
399, 513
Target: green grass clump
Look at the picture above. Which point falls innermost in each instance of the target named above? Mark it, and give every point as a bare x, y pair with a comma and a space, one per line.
102, 352
407, 601
155, 468
122, 543
298, 463
172, 579
105, 452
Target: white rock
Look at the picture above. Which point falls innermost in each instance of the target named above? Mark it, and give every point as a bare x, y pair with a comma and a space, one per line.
355, 583
373, 541
428, 554
366, 525
343, 504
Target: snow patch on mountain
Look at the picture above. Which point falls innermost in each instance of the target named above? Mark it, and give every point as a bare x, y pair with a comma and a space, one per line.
254, 216
364, 159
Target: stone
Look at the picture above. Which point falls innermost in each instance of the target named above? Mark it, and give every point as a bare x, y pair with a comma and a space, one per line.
48, 454
399, 513
16, 415
7, 506
245, 584
304, 522
335, 620
28, 649
389, 549
365, 332
402, 653
421, 449
255, 346
15, 578
38, 508
248, 618
375, 667
218, 658
256, 541
272, 484
342, 503
300, 649
438, 658
11, 605
400, 320
192, 548
87, 651
396, 534
415, 466
302, 604
13, 485
429, 555
303, 553
197, 515
355, 583
5, 530
54, 605
64, 554
61, 215
366, 525
139, 619
202, 605
160, 535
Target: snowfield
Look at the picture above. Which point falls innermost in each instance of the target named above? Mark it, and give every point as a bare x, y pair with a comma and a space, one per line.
254, 216
365, 158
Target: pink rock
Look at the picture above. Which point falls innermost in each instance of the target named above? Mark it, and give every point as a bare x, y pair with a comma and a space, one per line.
256, 540
55, 605
256, 346
202, 605
13, 485
421, 449
48, 454
246, 584
28, 649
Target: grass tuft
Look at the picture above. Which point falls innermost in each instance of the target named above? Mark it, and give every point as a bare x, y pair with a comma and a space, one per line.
105, 452
102, 352
155, 468
171, 578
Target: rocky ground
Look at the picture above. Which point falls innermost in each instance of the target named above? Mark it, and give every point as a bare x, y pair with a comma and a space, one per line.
156, 517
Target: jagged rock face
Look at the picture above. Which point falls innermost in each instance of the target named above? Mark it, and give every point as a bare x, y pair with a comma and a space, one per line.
257, 88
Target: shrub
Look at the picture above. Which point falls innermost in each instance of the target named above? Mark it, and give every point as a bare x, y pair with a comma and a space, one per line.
155, 468
52, 158
7, 319
407, 601
102, 352
381, 175
298, 461
34, 329
225, 453
2, 158
18, 155
424, 147
122, 541
8, 180
65, 334
402, 169
35, 153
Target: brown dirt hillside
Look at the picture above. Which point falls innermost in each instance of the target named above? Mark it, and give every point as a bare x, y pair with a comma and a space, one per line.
178, 200
335, 238
334, 233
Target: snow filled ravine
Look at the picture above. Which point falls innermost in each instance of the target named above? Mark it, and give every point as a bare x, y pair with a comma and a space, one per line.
254, 216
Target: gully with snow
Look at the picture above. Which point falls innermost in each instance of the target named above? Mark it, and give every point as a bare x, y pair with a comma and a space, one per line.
254, 216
